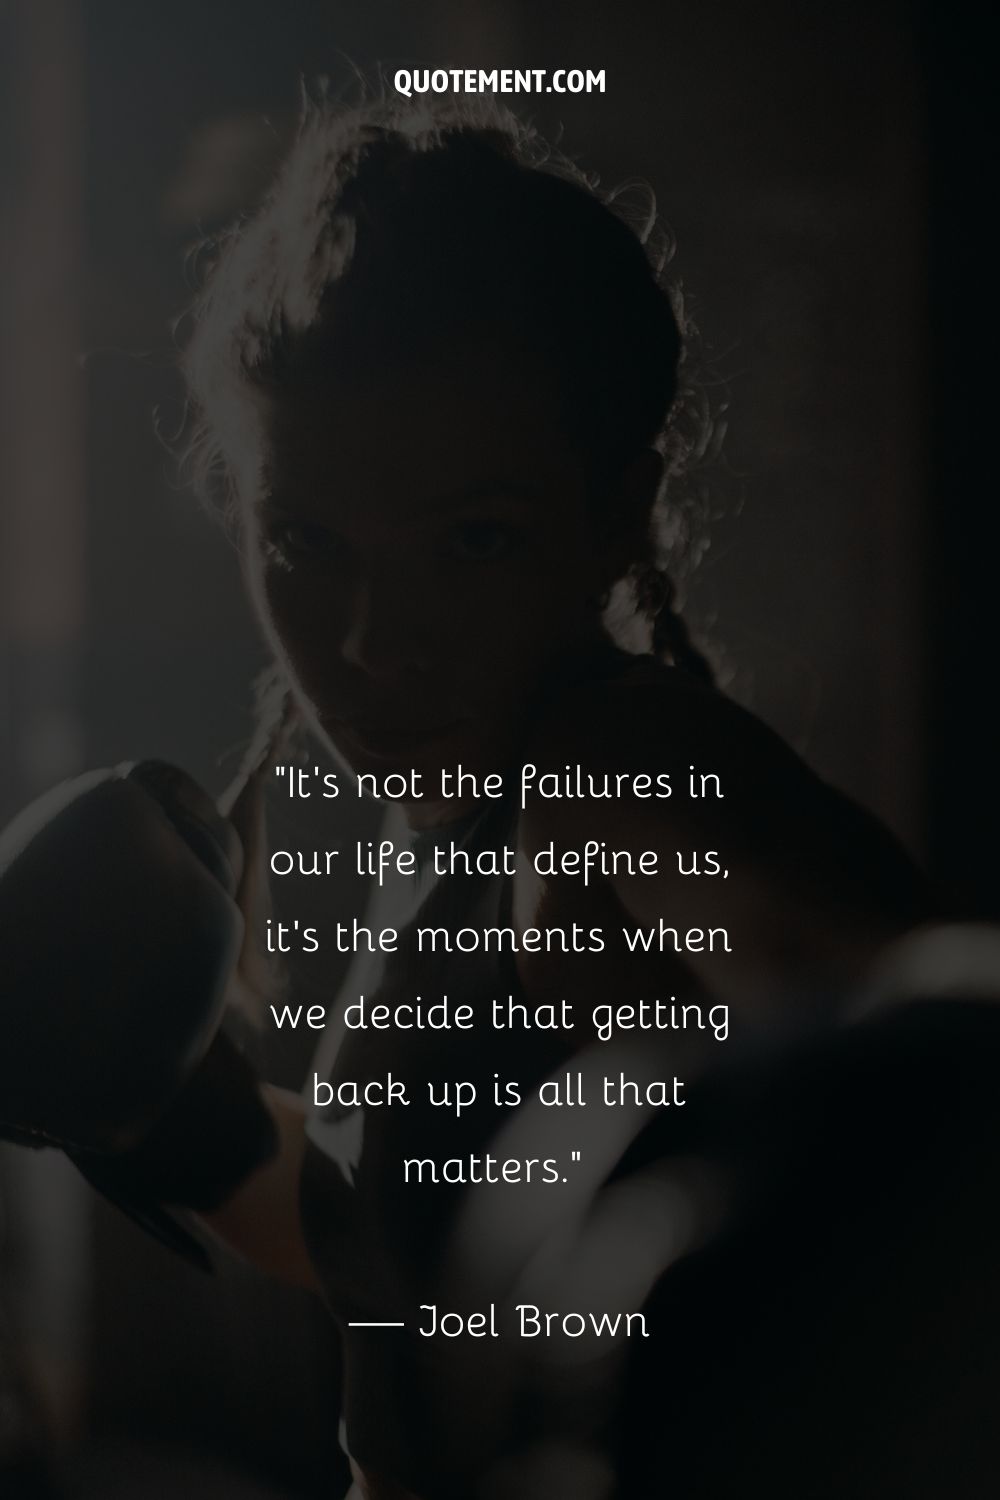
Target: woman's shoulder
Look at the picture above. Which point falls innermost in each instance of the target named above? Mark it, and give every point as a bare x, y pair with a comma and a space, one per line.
638, 711
733, 782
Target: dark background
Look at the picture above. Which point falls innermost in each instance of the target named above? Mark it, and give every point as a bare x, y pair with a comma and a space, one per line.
824, 170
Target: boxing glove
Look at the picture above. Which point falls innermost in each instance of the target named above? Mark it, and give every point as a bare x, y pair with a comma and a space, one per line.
811, 1243
120, 933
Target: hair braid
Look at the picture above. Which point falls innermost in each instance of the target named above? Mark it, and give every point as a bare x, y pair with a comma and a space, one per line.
656, 595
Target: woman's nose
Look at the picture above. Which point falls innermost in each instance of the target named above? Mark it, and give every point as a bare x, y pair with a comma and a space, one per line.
381, 627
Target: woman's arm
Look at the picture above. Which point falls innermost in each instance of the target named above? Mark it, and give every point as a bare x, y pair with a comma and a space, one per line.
261, 1220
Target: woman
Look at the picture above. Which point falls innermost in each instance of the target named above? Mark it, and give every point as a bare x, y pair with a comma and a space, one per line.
439, 383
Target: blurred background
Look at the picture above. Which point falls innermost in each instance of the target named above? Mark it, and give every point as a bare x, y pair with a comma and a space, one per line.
823, 171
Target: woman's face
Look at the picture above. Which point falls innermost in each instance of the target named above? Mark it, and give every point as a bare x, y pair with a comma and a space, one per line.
423, 553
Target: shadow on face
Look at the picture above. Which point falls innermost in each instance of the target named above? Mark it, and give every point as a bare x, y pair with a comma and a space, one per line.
423, 552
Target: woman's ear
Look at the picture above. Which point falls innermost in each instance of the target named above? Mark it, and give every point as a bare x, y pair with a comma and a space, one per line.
630, 513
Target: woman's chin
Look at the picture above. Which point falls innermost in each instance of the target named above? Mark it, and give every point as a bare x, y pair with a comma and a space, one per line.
381, 751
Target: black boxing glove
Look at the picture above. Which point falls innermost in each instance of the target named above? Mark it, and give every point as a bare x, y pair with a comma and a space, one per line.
119, 934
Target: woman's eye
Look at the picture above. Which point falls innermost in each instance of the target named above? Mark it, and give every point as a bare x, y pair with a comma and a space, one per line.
481, 541
297, 541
